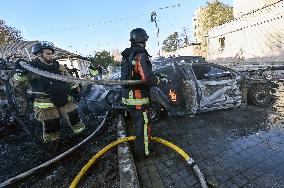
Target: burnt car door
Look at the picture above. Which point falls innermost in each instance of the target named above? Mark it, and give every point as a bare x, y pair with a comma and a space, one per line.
169, 95
189, 87
217, 87
178, 96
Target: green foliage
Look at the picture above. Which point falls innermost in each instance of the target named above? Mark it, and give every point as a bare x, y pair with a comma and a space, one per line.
172, 43
104, 58
213, 14
8, 34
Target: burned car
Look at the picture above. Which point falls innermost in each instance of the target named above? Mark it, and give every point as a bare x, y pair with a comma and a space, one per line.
197, 86
100, 98
202, 87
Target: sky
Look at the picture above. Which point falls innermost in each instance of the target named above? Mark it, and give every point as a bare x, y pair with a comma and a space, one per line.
87, 26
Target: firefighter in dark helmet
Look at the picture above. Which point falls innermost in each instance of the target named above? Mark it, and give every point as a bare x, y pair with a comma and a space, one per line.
51, 97
136, 65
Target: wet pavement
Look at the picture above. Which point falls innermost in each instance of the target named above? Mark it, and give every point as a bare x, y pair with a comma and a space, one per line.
241, 147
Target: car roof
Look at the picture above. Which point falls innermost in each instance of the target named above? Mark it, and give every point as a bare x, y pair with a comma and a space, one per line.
189, 60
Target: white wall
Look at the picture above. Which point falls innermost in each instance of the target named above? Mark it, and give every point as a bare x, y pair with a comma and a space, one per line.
81, 65
195, 25
257, 37
242, 7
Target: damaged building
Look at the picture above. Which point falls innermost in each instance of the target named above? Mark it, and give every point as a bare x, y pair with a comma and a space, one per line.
254, 35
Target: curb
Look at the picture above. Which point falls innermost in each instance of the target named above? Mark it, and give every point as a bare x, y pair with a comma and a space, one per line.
127, 169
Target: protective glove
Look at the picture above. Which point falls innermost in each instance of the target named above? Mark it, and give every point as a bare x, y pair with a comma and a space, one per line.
164, 81
19, 69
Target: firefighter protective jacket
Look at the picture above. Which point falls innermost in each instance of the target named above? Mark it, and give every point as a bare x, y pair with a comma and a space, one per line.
56, 90
136, 65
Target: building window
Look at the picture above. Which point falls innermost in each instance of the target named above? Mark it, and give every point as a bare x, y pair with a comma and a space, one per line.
222, 43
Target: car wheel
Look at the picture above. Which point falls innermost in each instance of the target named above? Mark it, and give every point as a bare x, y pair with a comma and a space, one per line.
259, 95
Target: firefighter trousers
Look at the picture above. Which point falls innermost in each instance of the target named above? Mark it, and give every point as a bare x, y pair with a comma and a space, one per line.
142, 129
49, 116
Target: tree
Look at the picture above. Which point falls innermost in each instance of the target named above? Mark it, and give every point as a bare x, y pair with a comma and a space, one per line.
172, 43
104, 58
213, 14
8, 34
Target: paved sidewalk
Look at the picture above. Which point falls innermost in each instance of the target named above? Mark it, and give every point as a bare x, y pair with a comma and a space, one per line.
233, 148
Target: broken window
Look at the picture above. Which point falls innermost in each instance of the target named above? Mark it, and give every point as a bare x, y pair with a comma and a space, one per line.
206, 72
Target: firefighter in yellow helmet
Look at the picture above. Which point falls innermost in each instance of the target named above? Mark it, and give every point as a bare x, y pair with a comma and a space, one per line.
51, 96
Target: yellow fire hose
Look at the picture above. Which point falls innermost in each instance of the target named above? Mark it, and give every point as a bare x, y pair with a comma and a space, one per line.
189, 160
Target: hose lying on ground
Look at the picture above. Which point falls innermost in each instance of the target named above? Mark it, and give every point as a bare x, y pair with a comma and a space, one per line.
51, 161
189, 160
77, 80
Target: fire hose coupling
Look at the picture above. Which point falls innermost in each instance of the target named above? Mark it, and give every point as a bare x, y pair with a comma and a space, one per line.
191, 162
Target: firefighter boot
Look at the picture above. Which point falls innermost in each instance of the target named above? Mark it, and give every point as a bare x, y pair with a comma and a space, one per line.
51, 129
75, 123
50, 137
78, 128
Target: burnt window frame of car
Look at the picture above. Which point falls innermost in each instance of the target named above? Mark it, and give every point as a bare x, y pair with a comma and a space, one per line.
225, 72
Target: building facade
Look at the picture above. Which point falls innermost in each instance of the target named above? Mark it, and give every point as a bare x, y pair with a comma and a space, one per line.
196, 26
255, 35
78, 63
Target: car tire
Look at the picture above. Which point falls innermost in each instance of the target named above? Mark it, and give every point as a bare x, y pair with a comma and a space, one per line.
259, 95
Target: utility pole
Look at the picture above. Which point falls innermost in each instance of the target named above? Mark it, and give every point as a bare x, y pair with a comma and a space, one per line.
186, 38
154, 19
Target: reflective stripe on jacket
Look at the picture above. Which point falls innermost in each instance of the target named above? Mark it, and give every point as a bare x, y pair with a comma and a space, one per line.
46, 103
43, 105
134, 102
20, 78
